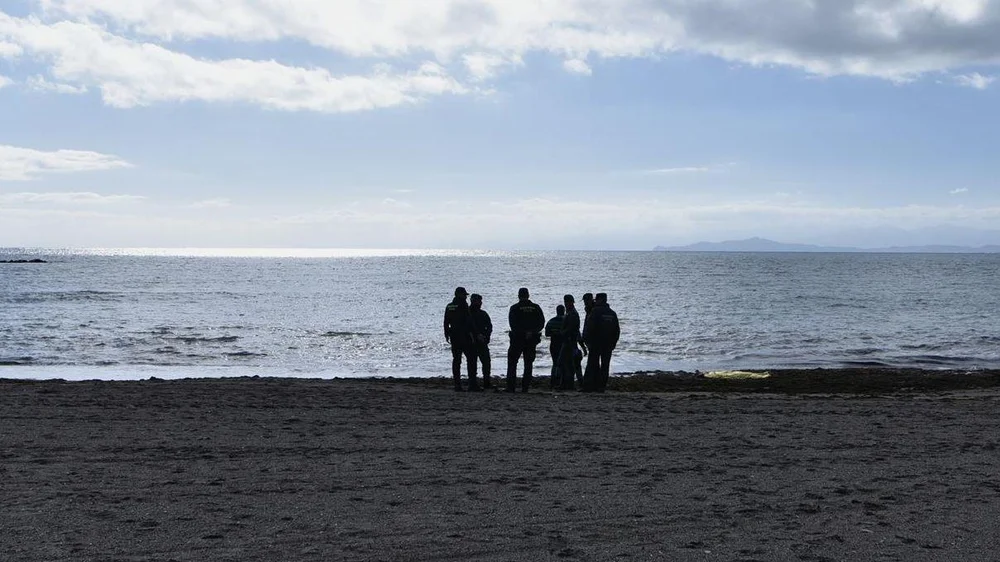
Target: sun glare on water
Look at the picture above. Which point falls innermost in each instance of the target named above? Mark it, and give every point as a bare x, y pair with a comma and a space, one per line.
265, 252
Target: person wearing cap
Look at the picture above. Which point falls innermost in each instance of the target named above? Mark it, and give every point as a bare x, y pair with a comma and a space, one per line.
459, 332
553, 331
570, 336
602, 332
526, 324
482, 328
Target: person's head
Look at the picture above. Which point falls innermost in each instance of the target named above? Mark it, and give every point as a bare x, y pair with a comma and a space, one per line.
476, 301
522, 293
461, 293
560, 310
601, 298
588, 301
569, 301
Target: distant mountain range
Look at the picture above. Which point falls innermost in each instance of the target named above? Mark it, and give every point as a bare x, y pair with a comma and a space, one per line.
765, 245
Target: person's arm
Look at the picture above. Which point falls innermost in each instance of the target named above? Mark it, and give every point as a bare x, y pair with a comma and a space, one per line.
588, 327
566, 330
483, 326
577, 337
540, 319
470, 325
616, 330
538, 325
447, 330
512, 319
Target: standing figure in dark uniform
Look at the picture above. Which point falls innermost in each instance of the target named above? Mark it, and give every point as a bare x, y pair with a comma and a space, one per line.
458, 331
570, 336
601, 332
526, 324
482, 329
553, 331
588, 305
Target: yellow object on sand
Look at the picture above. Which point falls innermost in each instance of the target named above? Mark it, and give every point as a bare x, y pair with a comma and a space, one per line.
738, 375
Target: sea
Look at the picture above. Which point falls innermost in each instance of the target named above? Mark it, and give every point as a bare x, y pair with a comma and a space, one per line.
178, 313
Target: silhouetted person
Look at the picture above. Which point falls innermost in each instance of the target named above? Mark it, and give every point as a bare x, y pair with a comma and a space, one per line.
588, 305
601, 332
482, 329
458, 331
526, 324
570, 337
553, 331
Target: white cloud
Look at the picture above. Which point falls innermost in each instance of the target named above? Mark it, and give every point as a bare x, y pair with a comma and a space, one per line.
9, 50
4, 81
130, 73
216, 203
486, 66
40, 84
66, 198
975, 80
20, 164
509, 223
578, 66
680, 170
395, 203
120, 46
895, 39
959, 191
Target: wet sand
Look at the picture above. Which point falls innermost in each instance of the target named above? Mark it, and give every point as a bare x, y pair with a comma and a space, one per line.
278, 469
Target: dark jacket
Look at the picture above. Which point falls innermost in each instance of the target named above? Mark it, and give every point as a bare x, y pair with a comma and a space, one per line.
458, 324
482, 326
571, 326
525, 317
553, 329
602, 328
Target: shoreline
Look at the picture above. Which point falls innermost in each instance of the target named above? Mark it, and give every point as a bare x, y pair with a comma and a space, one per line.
261, 469
853, 380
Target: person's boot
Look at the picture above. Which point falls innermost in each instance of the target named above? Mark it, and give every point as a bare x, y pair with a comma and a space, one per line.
487, 383
474, 384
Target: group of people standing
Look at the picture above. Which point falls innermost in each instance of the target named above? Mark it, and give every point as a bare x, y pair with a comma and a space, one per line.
468, 328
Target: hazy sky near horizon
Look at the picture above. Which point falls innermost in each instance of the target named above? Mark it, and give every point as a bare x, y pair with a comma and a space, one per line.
497, 123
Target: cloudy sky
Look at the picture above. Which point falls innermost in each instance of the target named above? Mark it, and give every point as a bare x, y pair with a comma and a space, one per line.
497, 123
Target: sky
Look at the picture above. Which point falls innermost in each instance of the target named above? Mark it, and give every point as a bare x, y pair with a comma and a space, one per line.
498, 124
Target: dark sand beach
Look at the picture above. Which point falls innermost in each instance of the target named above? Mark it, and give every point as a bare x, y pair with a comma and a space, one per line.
812, 465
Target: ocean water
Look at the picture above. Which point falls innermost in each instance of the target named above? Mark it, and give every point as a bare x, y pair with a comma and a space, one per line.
110, 314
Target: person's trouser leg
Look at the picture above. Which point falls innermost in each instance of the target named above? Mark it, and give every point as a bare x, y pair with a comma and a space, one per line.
483, 351
473, 362
529, 360
605, 368
554, 376
456, 365
513, 354
566, 360
578, 368
592, 373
